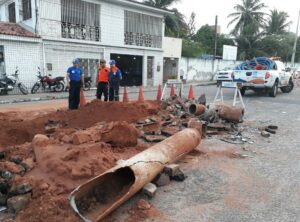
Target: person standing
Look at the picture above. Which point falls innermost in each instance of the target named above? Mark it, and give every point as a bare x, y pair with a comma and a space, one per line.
102, 81
75, 80
115, 76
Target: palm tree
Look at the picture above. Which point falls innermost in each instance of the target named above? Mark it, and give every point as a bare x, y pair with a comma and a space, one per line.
175, 24
277, 22
249, 12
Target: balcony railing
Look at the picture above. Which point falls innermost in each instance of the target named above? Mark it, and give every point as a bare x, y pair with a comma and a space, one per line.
145, 40
82, 32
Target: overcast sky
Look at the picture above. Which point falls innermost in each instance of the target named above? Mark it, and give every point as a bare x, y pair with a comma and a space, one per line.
207, 10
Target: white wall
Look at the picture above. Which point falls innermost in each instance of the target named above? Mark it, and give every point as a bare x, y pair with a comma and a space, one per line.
193, 69
172, 47
26, 55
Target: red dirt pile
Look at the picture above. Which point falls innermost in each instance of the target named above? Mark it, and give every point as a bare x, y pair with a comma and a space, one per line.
19, 131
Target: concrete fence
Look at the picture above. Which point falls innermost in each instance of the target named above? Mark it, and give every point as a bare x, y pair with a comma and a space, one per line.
193, 69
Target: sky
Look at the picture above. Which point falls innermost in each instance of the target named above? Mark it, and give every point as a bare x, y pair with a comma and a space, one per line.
207, 10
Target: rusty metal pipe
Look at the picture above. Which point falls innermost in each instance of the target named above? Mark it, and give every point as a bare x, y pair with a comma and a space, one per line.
230, 113
197, 109
99, 196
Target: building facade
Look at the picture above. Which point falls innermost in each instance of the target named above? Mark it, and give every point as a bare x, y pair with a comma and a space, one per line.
127, 31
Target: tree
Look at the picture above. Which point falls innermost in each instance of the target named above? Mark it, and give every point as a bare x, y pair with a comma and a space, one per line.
247, 13
191, 48
192, 25
277, 22
175, 24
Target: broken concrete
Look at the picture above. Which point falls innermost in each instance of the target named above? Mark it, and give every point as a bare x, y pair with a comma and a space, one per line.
162, 179
150, 190
17, 203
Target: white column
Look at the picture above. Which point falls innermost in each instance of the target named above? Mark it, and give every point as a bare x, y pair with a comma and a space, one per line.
145, 76
17, 10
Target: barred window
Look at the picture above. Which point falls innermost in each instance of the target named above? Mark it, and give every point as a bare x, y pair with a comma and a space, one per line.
143, 30
26, 7
80, 20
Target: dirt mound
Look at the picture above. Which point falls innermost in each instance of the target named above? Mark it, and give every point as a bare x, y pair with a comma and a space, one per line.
18, 132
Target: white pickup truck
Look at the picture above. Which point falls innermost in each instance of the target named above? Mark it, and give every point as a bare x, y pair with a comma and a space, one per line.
269, 79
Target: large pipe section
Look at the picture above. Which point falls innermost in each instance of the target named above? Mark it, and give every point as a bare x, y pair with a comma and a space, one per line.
101, 195
230, 113
197, 109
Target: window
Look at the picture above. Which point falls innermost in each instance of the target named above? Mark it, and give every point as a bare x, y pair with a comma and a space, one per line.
26, 6
12, 12
80, 20
143, 30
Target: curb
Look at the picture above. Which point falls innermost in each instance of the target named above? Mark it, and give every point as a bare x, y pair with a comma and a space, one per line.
48, 98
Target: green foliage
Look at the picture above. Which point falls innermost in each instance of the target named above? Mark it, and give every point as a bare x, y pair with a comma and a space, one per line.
191, 48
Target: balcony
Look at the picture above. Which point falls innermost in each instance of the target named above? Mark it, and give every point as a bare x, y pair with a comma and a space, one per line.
81, 32
144, 40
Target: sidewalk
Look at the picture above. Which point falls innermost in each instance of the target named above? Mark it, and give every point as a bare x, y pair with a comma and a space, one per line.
9, 99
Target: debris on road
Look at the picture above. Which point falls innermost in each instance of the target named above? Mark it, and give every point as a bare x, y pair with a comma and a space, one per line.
150, 190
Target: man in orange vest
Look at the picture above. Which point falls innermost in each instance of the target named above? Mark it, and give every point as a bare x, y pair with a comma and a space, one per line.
102, 80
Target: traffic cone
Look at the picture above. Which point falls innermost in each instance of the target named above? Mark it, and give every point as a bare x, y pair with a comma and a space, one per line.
159, 93
191, 93
82, 99
172, 91
125, 95
141, 95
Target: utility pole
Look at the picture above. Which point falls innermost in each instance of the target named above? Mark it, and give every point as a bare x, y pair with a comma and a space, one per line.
215, 46
295, 44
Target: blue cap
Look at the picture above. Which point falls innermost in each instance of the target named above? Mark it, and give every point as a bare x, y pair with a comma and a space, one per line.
75, 61
112, 62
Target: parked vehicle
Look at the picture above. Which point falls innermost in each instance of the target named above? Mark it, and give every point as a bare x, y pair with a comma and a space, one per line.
264, 73
87, 83
225, 74
47, 83
9, 82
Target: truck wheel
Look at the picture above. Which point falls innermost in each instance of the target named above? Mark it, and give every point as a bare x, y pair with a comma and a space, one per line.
288, 88
273, 91
243, 91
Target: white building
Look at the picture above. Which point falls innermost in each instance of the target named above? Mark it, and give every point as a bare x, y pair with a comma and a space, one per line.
129, 32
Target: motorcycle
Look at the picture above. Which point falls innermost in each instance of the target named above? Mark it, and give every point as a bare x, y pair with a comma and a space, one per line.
9, 82
46, 82
87, 83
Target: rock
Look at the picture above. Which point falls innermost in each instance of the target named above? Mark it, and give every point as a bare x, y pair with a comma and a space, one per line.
265, 134
154, 138
148, 121
162, 179
28, 164
17, 203
6, 175
140, 122
143, 205
51, 126
273, 127
195, 124
20, 189
3, 199
66, 139
170, 131
81, 137
95, 134
171, 169
270, 131
179, 176
40, 140
81, 173
150, 190
15, 159
11, 167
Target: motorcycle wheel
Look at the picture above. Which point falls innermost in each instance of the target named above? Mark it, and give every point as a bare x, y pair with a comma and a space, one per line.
59, 87
35, 88
23, 89
87, 86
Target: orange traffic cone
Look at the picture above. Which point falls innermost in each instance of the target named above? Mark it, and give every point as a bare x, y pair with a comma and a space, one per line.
141, 95
191, 93
82, 99
125, 95
159, 93
172, 91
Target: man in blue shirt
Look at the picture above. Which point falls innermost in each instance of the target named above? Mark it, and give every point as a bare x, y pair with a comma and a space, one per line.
114, 78
75, 80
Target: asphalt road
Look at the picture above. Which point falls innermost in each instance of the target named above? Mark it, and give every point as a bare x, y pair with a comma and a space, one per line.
263, 187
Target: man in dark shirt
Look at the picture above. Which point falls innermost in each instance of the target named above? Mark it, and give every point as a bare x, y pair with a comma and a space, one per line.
75, 80
115, 76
